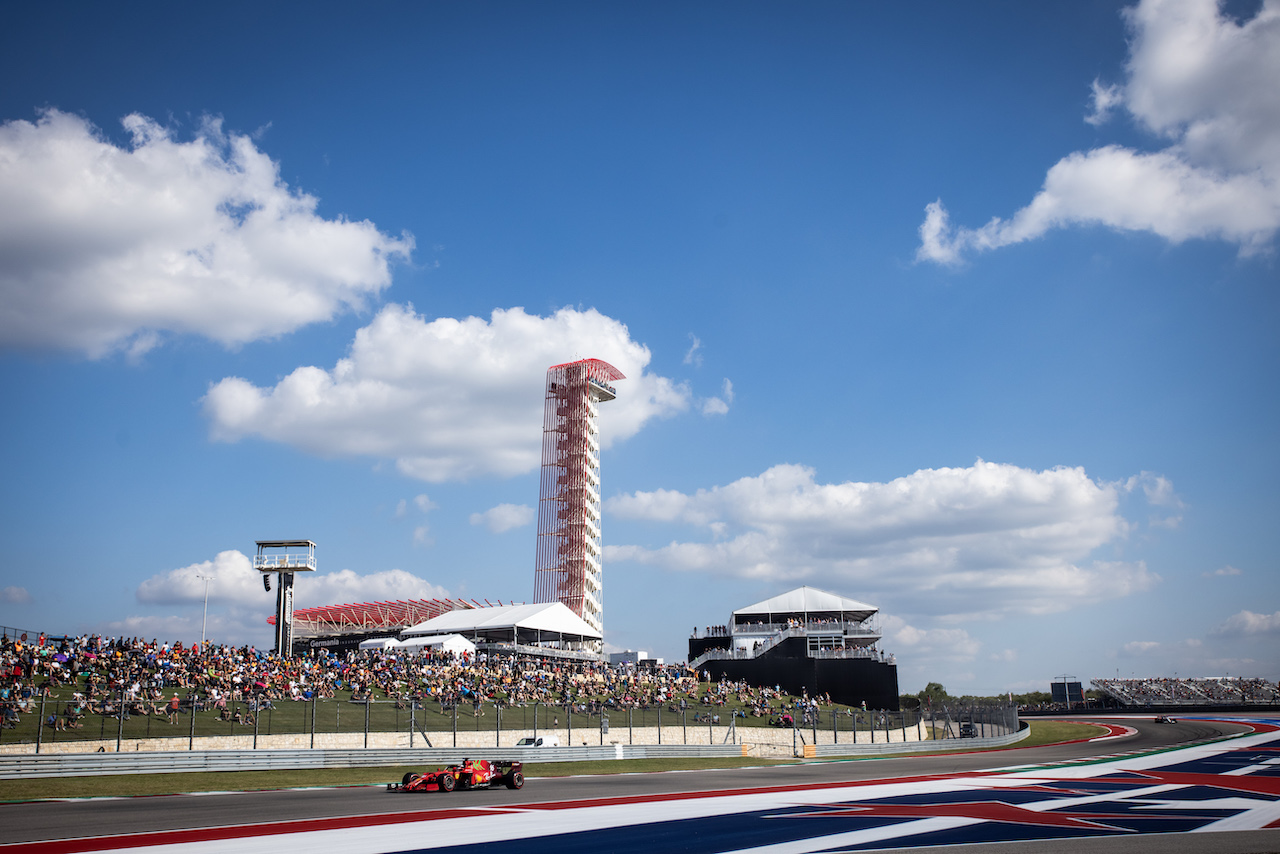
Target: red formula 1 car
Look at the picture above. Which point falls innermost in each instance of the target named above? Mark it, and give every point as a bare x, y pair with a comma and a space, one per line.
477, 774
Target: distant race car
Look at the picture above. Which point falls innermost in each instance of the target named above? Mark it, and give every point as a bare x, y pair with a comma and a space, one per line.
477, 774
1165, 719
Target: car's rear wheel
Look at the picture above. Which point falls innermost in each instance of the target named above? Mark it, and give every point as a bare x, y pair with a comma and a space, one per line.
515, 780
447, 783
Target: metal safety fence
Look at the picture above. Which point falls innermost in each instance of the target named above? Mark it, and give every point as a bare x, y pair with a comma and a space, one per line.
369, 723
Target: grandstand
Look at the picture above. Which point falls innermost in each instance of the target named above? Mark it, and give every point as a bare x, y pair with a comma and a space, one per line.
344, 627
1168, 692
805, 641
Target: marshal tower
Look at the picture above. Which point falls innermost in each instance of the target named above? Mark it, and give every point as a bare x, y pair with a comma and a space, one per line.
568, 567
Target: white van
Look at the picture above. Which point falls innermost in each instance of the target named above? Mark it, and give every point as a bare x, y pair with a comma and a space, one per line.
540, 741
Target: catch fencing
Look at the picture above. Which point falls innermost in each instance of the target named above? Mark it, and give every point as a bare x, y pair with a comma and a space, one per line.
369, 723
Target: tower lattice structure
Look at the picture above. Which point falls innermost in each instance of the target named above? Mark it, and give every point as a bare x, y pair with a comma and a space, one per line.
569, 568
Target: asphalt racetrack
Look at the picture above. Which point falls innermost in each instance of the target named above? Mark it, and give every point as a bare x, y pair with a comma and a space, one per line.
1126, 793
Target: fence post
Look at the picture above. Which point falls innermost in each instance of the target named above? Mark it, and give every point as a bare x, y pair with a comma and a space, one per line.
815, 725
313, 721
257, 713
413, 719
191, 739
120, 730
40, 724
630, 738
535, 722
497, 724
659, 724
568, 716
367, 698
455, 721
684, 725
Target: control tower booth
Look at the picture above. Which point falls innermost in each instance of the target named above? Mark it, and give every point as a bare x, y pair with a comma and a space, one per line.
283, 558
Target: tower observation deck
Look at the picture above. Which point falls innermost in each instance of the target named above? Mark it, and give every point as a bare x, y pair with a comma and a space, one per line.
568, 567
284, 558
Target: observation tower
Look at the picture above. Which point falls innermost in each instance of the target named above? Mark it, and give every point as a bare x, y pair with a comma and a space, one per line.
284, 558
568, 567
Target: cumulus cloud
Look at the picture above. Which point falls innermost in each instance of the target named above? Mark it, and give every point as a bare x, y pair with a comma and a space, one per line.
106, 248
1247, 623
1197, 80
504, 517
936, 645
982, 541
447, 399
234, 581
239, 606
15, 596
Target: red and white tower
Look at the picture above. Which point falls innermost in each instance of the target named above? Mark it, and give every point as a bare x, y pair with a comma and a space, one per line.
568, 566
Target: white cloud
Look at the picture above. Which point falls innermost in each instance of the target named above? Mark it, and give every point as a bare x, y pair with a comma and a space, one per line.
1136, 648
231, 575
987, 540
719, 405
447, 399
1196, 79
106, 248
504, 517
423, 503
234, 581
693, 357
1159, 493
1224, 572
15, 596
935, 645
1247, 623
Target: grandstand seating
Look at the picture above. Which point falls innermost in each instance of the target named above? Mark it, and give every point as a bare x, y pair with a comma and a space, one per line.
1186, 691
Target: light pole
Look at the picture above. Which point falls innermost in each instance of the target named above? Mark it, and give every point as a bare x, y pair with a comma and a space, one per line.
205, 619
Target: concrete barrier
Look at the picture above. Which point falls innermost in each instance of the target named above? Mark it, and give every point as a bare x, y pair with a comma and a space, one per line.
156, 762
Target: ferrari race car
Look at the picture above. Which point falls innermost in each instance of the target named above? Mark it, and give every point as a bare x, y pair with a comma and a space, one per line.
471, 774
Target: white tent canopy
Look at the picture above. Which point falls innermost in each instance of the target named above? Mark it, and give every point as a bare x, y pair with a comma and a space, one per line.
805, 603
448, 643
529, 624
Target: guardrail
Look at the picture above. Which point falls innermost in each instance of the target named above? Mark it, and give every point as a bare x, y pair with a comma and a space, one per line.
97, 764
941, 744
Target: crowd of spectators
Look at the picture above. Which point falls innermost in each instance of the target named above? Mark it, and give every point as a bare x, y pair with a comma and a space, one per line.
1168, 691
95, 676
138, 677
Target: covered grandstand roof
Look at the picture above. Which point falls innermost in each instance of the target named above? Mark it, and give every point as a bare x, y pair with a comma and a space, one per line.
366, 616
807, 600
507, 622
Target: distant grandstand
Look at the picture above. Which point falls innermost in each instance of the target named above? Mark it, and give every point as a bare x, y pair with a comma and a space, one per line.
1166, 692
345, 626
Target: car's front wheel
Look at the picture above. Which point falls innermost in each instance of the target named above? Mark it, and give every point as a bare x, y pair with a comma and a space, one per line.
447, 783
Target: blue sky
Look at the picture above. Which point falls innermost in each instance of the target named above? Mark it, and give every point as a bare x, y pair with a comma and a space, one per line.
966, 311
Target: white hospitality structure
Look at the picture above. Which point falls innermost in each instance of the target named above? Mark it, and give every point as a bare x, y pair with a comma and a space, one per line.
547, 629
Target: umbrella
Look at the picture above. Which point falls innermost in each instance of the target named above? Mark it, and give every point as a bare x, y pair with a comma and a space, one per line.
62, 656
